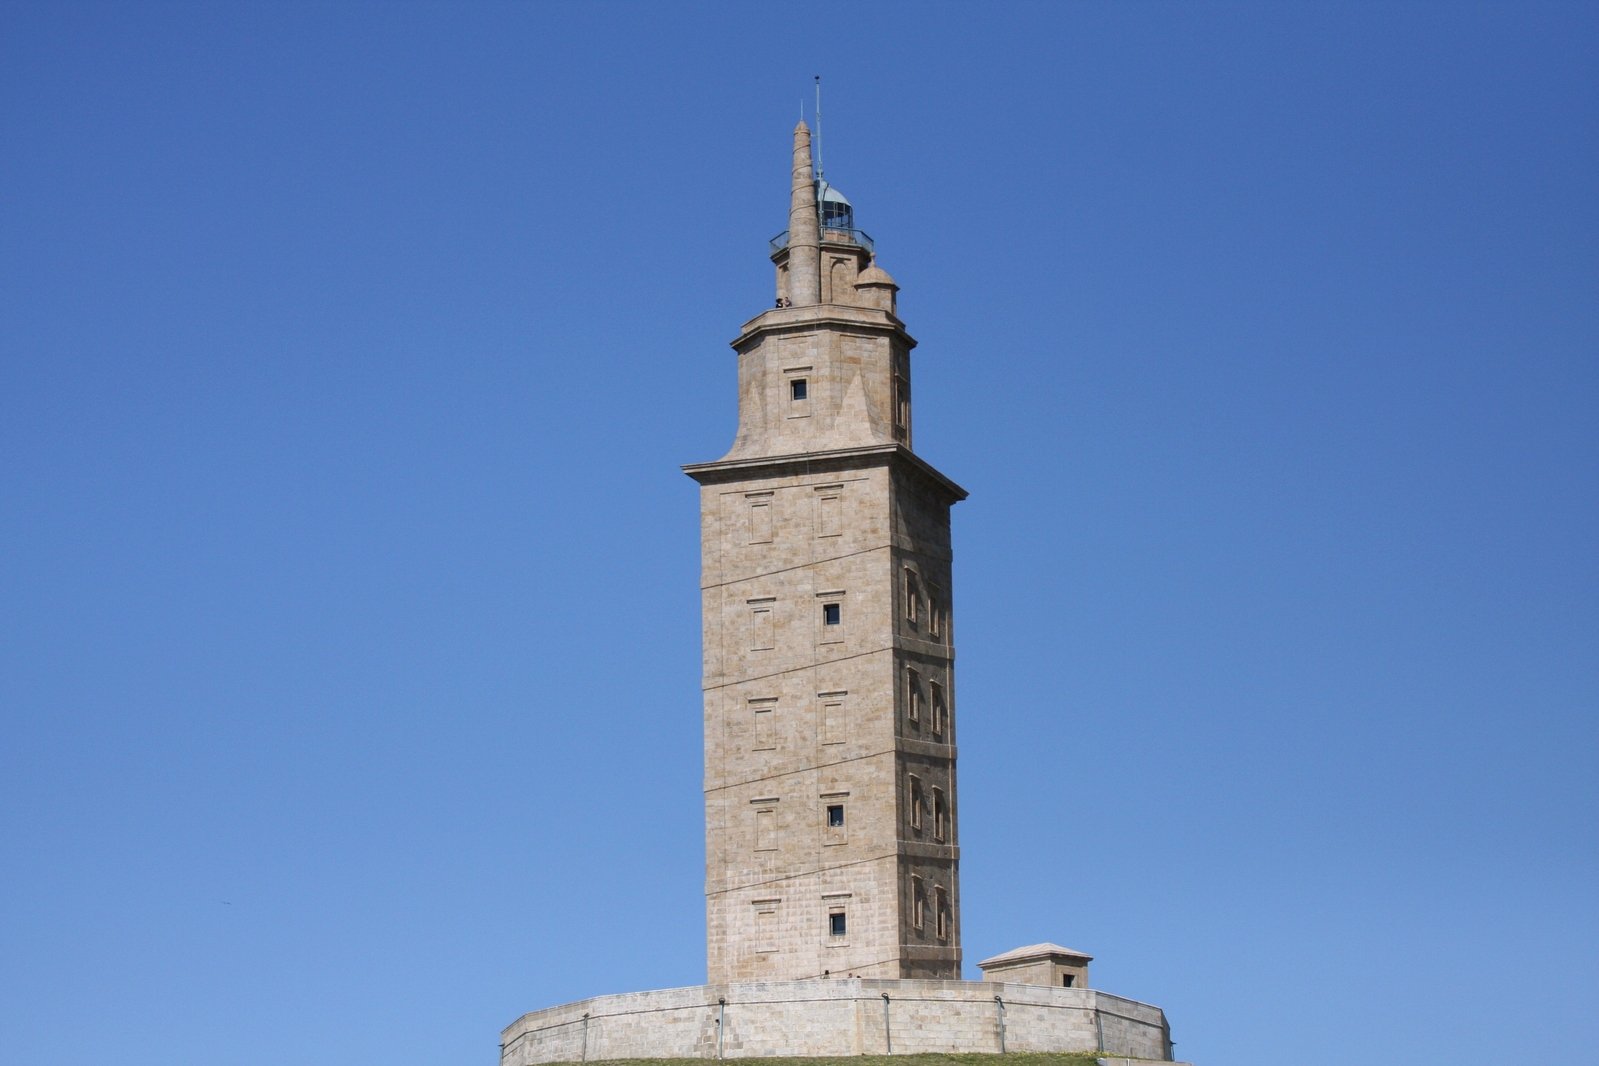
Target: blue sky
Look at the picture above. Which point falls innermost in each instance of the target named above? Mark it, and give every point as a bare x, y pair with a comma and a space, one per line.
350, 645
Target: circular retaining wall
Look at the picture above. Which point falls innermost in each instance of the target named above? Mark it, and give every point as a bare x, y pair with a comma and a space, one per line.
835, 1018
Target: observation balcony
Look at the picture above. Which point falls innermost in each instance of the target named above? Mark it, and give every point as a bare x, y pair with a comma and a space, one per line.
830, 234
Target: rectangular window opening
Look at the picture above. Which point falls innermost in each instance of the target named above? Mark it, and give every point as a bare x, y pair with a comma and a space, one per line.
837, 924
915, 802
832, 614
798, 389
1066, 980
835, 816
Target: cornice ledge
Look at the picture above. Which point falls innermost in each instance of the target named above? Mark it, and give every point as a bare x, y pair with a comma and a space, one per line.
709, 473
796, 319
919, 849
931, 749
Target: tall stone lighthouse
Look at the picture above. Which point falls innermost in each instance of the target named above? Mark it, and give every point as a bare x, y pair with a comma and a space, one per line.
832, 859
830, 800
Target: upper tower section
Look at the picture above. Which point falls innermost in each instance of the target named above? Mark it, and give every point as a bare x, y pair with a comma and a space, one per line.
828, 367
822, 258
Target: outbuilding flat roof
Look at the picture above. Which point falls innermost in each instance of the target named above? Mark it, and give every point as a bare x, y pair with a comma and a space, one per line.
1033, 951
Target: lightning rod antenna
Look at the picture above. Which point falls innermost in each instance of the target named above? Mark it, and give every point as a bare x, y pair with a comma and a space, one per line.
818, 128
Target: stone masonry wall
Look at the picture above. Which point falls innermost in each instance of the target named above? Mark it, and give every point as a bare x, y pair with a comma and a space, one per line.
836, 1018
796, 724
802, 715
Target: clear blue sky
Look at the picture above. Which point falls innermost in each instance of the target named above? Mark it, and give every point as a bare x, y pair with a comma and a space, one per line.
349, 656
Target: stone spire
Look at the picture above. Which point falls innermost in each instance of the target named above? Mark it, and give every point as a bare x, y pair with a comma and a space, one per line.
804, 236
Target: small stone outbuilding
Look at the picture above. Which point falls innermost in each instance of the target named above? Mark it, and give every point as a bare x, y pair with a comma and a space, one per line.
1039, 964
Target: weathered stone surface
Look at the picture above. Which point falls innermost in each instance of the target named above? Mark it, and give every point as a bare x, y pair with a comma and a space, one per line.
836, 1018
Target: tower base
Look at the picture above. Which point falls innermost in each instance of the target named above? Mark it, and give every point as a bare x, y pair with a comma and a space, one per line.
836, 1018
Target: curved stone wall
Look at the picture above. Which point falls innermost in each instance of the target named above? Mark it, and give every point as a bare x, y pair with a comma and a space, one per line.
836, 1017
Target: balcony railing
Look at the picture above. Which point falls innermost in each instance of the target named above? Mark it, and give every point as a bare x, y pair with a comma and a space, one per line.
831, 233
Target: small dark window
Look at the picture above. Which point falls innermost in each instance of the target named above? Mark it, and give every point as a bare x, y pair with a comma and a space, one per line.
798, 389
1065, 980
831, 614
835, 924
835, 815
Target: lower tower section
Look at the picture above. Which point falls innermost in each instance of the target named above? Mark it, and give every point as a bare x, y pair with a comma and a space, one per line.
830, 788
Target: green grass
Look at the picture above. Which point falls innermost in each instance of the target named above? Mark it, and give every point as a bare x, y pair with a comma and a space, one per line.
1062, 1058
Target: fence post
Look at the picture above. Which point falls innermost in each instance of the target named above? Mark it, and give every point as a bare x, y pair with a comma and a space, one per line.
888, 1034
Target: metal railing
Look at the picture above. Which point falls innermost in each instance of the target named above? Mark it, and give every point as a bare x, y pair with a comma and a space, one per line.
830, 233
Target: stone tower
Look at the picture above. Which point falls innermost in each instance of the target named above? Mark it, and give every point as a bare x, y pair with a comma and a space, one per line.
830, 801
830, 805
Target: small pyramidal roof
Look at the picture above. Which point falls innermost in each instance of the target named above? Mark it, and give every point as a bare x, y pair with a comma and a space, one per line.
1034, 951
